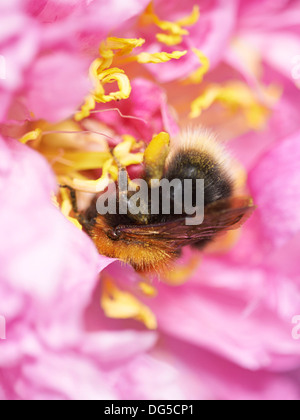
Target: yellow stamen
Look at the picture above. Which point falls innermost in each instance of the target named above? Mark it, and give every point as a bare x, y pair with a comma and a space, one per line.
235, 96
123, 305
190, 19
100, 77
156, 154
175, 29
101, 74
75, 161
96, 68
123, 45
205, 100
94, 186
122, 152
197, 75
82, 161
88, 106
148, 289
172, 27
160, 57
169, 39
32, 135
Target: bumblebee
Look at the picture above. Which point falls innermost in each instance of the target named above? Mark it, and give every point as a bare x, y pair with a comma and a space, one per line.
151, 242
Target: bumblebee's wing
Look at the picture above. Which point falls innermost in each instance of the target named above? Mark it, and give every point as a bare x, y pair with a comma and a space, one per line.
220, 216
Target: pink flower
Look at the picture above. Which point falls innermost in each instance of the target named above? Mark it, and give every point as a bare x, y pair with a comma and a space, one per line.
272, 29
148, 103
45, 62
278, 212
48, 272
220, 325
209, 32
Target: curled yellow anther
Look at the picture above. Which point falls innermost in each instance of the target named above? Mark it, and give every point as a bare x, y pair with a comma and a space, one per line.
160, 57
235, 96
94, 186
204, 101
169, 39
32, 135
88, 106
101, 73
110, 76
122, 45
175, 30
147, 289
122, 152
197, 75
190, 19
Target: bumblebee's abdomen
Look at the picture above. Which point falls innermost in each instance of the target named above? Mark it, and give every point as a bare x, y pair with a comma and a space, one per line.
192, 164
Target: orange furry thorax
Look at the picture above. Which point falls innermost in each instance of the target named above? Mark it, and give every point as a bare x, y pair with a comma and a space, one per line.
150, 255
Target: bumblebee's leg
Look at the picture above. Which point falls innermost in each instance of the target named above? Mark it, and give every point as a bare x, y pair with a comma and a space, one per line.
78, 215
72, 197
155, 156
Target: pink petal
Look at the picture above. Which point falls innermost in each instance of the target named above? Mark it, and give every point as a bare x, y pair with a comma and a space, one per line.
148, 378
206, 376
64, 376
48, 253
266, 14
56, 85
221, 307
211, 34
17, 50
107, 15
147, 102
274, 184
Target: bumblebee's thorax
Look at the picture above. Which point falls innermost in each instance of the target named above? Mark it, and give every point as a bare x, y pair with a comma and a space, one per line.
193, 164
